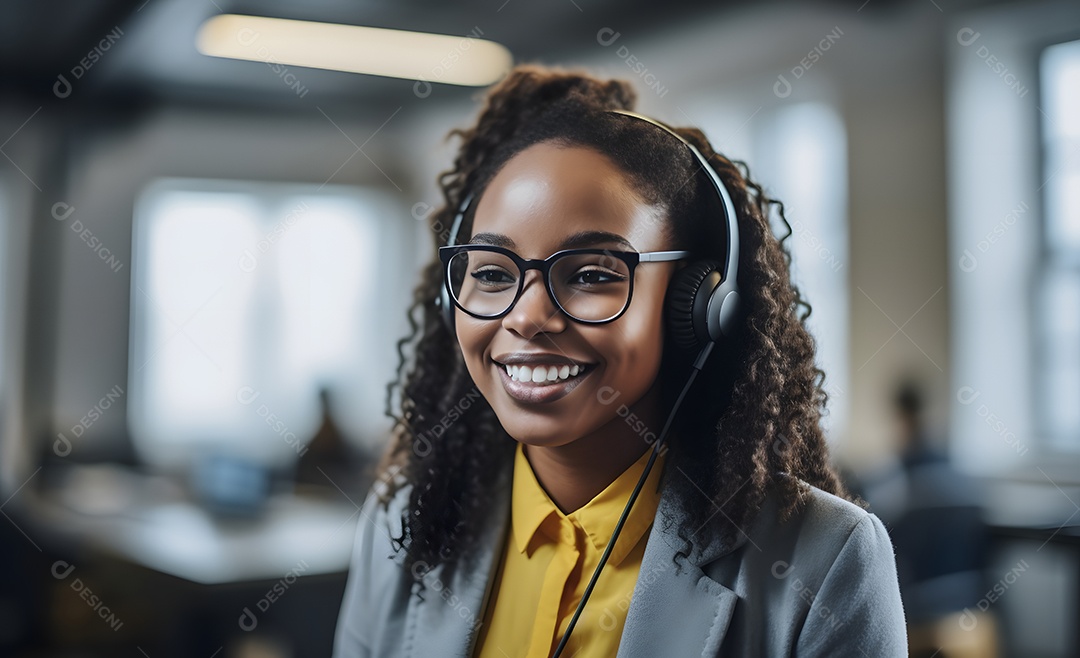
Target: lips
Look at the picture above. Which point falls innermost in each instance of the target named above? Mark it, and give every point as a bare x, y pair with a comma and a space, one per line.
546, 390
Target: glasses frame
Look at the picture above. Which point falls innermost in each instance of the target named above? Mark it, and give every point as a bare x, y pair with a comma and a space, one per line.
631, 258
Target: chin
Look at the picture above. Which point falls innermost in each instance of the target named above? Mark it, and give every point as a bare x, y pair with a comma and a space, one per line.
533, 432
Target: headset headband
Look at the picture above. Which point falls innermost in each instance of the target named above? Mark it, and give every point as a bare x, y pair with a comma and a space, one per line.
731, 260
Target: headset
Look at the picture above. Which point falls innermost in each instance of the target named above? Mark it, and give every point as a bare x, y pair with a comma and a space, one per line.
703, 306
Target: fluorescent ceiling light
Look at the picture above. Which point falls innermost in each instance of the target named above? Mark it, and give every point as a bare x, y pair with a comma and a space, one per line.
356, 49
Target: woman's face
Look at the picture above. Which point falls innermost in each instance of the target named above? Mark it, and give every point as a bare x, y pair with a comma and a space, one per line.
541, 198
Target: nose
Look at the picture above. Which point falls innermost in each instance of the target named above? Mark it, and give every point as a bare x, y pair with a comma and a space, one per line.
534, 311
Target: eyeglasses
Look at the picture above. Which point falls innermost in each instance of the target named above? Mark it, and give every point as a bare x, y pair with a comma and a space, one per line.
591, 286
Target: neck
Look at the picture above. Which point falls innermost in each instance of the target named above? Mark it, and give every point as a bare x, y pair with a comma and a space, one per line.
573, 474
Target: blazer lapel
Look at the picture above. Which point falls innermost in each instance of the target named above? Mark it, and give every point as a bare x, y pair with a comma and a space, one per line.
447, 621
676, 612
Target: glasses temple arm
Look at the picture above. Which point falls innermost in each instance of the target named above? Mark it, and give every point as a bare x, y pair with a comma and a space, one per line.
658, 256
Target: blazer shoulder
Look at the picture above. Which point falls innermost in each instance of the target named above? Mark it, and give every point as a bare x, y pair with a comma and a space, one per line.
822, 524
827, 528
377, 591
843, 567
828, 506
820, 583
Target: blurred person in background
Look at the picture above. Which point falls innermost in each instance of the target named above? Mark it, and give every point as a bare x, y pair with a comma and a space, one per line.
934, 515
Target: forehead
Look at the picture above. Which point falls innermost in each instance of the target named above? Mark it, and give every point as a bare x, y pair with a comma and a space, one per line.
551, 197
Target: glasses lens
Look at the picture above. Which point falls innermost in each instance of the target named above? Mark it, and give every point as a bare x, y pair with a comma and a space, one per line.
483, 282
591, 286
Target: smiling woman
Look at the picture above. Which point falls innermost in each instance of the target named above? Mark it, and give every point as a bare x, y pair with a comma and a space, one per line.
596, 260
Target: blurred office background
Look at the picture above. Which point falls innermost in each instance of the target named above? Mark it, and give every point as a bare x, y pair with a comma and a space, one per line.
205, 263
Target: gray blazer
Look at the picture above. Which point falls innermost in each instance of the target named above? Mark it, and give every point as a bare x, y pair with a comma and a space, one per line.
822, 584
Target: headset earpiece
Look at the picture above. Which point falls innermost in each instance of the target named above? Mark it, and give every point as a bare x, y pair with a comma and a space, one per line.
685, 305
700, 307
446, 309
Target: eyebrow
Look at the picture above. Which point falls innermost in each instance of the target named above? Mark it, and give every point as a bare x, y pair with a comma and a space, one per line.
576, 241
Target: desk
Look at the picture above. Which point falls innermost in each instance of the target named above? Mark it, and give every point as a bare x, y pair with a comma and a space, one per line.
182, 539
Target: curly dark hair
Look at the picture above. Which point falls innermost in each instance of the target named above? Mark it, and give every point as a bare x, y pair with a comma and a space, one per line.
751, 422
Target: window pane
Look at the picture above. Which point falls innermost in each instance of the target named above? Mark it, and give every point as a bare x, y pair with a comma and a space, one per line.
1063, 214
194, 304
1060, 73
247, 299
1059, 332
325, 275
801, 151
1060, 396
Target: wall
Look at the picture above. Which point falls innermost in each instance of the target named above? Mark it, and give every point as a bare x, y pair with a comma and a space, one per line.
110, 166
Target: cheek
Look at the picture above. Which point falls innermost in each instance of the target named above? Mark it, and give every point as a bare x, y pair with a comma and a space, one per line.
637, 344
473, 339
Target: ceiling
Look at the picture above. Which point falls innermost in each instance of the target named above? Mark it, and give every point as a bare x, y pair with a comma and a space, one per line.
152, 57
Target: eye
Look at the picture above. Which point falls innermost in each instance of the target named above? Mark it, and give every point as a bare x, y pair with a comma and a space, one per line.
492, 277
595, 277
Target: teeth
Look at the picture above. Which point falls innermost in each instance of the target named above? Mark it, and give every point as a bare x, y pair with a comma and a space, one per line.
541, 374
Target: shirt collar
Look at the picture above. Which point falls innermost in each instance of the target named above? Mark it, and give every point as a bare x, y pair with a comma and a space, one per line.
531, 507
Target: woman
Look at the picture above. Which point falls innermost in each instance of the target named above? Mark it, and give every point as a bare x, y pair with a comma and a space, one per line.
535, 405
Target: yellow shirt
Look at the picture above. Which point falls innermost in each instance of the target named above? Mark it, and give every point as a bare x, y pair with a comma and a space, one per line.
550, 558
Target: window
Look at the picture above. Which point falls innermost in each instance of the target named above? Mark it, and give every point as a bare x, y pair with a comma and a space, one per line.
800, 153
1013, 288
5, 314
1058, 341
5, 280
246, 299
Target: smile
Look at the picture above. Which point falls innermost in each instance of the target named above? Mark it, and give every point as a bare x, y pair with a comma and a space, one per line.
541, 383
540, 374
